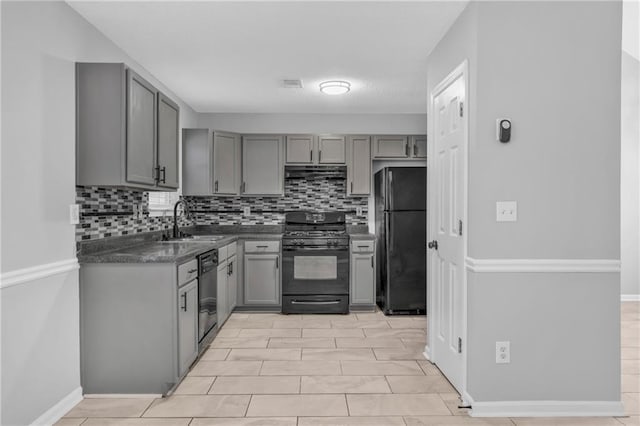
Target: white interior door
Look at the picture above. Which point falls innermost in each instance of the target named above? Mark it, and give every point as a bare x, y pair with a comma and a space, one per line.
447, 216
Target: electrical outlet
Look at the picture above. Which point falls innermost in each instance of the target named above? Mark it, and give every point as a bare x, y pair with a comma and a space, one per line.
358, 211
246, 211
506, 211
74, 214
503, 352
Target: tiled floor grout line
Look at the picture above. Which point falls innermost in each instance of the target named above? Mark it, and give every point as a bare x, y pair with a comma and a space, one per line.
147, 408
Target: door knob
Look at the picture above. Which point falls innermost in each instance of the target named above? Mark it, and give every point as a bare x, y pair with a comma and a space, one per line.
433, 244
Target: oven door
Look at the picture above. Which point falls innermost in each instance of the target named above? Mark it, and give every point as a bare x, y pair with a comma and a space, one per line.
315, 270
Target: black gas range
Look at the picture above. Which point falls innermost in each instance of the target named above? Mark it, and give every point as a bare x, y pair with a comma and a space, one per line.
315, 263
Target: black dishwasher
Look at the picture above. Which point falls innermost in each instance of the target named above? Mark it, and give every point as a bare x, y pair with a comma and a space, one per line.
207, 293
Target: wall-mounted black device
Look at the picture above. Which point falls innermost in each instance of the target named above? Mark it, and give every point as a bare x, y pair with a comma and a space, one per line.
503, 129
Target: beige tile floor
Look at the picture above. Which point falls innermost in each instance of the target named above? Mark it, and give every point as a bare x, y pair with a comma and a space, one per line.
314, 370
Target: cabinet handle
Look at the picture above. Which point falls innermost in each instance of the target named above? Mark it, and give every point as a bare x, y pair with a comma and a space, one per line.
244, 187
262, 246
372, 261
230, 268
163, 170
352, 187
319, 156
366, 246
156, 169
415, 151
277, 262
184, 301
191, 271
311, 158
215, 186
406, 149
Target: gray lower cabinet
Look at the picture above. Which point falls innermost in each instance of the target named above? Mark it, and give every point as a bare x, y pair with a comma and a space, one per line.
223, 304
358, 166
362, 282
232, 283
135, 334
126, 130
263, 165
187, 325
262, 273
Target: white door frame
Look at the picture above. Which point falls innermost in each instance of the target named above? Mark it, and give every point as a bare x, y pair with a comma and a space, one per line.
430, 354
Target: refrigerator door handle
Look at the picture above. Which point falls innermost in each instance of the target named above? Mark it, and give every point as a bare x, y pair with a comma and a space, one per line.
390, 190
389, 226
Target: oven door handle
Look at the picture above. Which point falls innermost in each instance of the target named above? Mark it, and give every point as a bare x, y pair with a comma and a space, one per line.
315, 248
327, 302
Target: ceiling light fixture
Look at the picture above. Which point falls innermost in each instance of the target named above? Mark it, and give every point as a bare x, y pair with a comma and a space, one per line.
335, 87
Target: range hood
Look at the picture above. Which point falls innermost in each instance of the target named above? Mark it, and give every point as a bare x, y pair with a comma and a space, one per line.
315, 172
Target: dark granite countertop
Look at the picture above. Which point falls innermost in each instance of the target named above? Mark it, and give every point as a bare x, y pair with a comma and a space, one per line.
155, 252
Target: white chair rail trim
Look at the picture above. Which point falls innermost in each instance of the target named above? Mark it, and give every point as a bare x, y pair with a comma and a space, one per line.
21, 276
543, 265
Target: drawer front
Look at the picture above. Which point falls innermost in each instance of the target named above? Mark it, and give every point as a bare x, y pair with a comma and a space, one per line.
187, 271
361, 246
231, 250
261, 246
222, 254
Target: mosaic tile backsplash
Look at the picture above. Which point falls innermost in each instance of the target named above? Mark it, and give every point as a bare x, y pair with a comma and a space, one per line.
107, 212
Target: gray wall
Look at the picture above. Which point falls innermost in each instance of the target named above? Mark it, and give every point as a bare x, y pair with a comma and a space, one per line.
367, 124
630, 177
561, 89
40, 347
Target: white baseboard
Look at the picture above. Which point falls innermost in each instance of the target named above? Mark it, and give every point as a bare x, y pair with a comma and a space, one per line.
630, 297
427, 353
547, 409
543, 265
32, 273
56, 412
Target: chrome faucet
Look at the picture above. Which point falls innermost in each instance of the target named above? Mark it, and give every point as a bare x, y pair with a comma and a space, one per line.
176, 229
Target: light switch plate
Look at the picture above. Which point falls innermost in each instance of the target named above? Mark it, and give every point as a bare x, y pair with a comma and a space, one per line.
506, 211
74, 214
246, 211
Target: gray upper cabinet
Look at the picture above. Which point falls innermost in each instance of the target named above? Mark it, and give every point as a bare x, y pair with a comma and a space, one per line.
358, 165
210, 162
300, 149
226, 163
390, 147
197, 162
168, 128
141, 130
126, 130
331, 149
418, 146
263, 165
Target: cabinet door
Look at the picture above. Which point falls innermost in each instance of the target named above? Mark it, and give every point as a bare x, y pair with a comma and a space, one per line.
262, 279
331, 149
222, 304
232, 283
300, 149
359, 165
390, 147
168, 123
187, 325
226, 163
197, 157
362, 281
141, 130
263, 165
419, 146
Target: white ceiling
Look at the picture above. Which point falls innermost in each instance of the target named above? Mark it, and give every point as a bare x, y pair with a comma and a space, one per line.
232, 56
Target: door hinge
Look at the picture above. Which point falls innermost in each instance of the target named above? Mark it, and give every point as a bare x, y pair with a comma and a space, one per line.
461, 109
459, 345
459, 227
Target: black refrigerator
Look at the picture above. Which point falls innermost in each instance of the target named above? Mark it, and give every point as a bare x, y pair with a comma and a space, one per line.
401, 224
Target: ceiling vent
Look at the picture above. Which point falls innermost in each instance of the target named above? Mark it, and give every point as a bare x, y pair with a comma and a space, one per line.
292, 84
